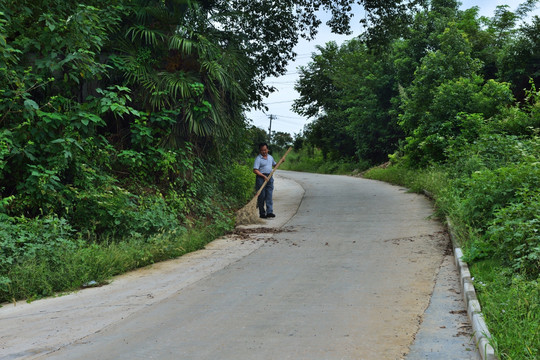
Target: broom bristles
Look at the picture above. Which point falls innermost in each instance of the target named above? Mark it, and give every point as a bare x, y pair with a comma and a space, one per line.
248, 214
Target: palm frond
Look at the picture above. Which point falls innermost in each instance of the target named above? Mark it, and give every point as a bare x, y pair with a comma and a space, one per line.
215, 71
182, 44
178, 84
148, 36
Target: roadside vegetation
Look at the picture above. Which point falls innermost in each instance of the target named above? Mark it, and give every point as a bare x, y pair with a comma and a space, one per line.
311, 160
123, 139
451, 107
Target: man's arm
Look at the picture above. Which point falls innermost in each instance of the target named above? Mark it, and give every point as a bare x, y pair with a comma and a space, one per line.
257, 172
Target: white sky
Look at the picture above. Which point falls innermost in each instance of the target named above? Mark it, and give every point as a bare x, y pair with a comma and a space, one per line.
280, 102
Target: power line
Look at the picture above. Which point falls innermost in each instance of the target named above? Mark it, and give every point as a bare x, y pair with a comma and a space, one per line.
280, 102
291, 117
291, 122
280, 118
282, 82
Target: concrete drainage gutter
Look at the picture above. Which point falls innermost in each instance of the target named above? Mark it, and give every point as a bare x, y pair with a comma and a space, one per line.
474, 311
480, 329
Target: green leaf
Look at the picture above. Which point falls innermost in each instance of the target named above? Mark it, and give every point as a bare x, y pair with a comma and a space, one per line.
30, 104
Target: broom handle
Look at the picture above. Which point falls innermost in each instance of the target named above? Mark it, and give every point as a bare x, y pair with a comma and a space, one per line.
272, 173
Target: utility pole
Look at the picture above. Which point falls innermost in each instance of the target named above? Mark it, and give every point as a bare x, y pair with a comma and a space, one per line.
272, 117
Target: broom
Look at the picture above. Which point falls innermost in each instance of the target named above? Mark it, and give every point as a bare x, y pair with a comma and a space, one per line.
248, 214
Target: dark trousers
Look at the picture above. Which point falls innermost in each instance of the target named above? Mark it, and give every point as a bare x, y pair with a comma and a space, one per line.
265, 198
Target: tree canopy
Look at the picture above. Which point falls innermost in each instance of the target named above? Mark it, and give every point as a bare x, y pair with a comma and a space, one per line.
408, 96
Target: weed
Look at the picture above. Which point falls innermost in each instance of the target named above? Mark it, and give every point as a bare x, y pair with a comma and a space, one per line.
511, 307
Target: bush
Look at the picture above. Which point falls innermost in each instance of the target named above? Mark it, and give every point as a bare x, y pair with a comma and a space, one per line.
487, 191
104, 212
238, 183
44, 238
514, 233
41, 240
491, 151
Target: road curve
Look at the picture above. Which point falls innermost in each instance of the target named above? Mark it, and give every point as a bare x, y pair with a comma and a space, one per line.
348, 277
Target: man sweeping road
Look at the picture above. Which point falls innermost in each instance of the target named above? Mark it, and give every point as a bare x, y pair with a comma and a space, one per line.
262, 167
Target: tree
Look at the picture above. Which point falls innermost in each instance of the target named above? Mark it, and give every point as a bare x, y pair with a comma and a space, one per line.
349, 91
451, 61
367, 86
142, 88
281, 140
520, 60
319, 99
168, 57
446, 83
257, 136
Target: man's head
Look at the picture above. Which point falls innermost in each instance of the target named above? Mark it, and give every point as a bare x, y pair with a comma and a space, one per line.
263, 149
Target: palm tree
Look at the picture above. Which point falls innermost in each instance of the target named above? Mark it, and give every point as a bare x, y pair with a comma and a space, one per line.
168, 56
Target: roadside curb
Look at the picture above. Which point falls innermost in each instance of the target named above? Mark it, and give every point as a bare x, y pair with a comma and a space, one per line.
480, 330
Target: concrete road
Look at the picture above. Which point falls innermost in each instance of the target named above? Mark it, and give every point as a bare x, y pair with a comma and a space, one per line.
348, 275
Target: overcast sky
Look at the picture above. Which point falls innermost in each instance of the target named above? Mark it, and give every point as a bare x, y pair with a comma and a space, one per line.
279, 103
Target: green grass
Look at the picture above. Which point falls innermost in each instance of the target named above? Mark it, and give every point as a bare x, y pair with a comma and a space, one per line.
511, 307
97, 263
432, 180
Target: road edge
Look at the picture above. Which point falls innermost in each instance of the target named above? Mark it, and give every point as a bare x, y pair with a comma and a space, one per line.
481, 332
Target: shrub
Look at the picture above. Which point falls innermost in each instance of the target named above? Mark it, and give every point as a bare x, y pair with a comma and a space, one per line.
46, 238
514, 233
238, 183
43, 240
486, 191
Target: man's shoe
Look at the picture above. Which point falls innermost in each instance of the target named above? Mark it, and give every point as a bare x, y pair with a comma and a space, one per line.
270, 215
262, 216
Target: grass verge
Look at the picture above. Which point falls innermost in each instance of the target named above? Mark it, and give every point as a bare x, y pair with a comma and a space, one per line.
511, 308
94, 264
